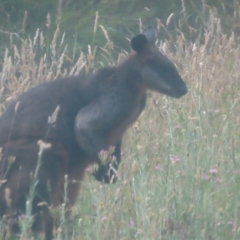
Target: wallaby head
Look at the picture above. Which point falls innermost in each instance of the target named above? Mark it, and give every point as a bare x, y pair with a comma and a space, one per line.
157, 72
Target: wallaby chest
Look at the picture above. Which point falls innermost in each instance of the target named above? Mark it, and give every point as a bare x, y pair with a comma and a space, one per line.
135, 109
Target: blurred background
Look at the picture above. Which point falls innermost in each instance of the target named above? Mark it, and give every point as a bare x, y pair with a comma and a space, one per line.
120, 18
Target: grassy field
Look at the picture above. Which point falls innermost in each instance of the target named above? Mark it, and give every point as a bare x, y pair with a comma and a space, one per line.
180, 174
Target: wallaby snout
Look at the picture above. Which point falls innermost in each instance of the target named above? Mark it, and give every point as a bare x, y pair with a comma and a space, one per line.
181, 90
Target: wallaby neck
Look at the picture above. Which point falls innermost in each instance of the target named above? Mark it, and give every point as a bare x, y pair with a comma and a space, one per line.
131, 61
129, 70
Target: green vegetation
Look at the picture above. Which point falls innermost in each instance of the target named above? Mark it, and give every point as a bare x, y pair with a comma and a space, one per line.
181, 160
119, 17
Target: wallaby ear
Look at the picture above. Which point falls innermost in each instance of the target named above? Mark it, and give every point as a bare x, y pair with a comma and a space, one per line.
139, 43
150, 34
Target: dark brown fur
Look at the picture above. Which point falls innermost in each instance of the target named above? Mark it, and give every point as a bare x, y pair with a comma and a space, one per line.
95, 111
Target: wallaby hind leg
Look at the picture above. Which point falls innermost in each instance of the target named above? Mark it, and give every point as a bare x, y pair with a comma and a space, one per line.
22, 175
11, 227
43, 221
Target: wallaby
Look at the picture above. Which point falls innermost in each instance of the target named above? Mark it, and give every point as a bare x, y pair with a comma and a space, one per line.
79, 117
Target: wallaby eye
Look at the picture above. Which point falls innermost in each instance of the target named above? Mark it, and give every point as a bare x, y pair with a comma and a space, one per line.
156, 65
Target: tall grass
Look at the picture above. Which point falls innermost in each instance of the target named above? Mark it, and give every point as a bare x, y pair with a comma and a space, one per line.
179, 178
